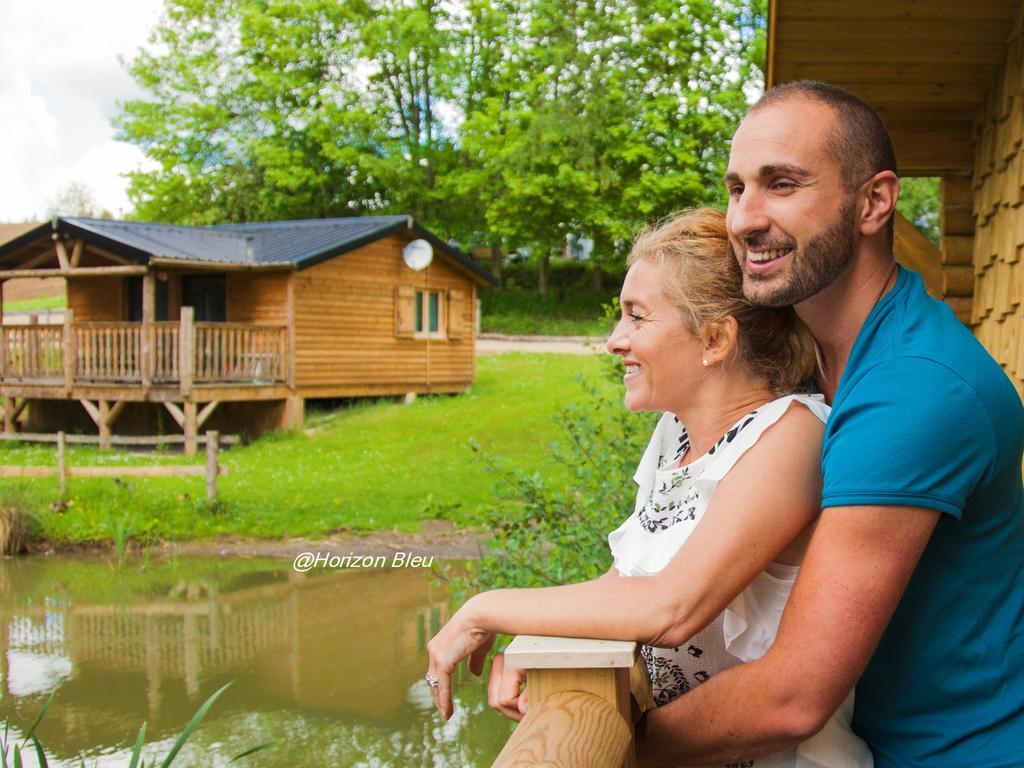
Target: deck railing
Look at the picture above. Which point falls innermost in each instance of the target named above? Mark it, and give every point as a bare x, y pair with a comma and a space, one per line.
132, 353
31, 352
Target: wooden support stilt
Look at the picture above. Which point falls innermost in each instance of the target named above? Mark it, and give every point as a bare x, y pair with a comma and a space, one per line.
190, 429
205, 413
104, 425
176, 413
9, 417
92, 410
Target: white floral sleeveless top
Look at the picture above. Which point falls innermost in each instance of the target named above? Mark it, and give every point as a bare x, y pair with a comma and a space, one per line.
670, 502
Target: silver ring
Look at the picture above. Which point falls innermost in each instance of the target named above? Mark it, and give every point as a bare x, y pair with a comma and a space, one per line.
432, 681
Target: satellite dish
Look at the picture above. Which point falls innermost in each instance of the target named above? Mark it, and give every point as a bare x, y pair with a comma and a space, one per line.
418, 254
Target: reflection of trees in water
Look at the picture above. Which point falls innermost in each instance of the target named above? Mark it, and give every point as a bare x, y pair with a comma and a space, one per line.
471, 739
342, 653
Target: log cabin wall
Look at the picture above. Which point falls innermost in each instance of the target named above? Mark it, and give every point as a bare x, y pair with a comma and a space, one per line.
998, 311
260, 298
96, 299
345, 326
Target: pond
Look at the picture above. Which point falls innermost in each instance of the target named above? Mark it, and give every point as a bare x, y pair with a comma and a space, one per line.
328, 663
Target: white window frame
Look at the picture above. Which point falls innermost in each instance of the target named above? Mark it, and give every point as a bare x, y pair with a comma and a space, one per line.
423, 321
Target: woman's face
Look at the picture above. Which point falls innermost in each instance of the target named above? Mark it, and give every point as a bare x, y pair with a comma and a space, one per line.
661, 356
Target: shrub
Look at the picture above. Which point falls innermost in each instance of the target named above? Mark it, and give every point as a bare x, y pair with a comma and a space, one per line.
546, 532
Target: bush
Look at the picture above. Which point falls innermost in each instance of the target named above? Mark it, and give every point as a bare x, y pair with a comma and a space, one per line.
545, 533
565, 275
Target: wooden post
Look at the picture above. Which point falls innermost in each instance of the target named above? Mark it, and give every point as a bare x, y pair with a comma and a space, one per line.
32, 347
69, 350
9, 414
578, 688
190, 428
186, 360
212, 439
104, 425
62, 472
146, 334
3, 336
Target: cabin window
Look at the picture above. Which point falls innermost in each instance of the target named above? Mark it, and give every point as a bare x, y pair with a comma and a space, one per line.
428, 314
133, 300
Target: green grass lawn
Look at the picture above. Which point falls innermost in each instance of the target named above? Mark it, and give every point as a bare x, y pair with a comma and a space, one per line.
43, 302
371, 466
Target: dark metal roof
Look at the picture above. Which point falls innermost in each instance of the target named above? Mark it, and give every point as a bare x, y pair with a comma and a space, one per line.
300, 243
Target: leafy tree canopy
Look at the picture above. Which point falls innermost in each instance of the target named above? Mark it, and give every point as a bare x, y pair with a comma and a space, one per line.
493, 122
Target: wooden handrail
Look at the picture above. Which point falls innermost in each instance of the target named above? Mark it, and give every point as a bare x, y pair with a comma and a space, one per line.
583, 698
182, 353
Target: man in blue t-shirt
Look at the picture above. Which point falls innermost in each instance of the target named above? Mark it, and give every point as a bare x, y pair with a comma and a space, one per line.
915, 573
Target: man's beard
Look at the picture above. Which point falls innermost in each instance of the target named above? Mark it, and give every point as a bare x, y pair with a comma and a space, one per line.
820, 262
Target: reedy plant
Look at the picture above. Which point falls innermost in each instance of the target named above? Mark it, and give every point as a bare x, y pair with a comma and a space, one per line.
15, 751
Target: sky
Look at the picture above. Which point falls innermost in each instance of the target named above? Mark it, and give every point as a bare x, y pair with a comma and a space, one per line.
60, 81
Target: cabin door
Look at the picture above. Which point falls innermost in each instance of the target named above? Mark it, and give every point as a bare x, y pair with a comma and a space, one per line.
207, 295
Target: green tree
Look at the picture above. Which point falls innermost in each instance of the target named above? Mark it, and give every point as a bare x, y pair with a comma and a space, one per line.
613, 114
494, 122
249, 114
919, 203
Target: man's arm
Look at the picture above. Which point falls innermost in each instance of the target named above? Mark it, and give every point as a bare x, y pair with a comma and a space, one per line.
856, 568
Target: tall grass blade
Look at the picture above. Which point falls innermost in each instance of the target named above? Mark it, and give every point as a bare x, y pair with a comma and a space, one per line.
40, 754
192, 725
138, 747
17, 756
42, 714
253, 750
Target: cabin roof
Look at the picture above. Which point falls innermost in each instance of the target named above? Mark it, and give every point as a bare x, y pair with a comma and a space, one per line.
299, 243
925, 66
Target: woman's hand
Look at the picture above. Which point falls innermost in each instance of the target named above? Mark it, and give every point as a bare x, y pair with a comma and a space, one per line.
505, 692
461, 637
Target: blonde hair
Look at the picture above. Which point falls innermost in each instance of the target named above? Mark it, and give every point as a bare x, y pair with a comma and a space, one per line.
701, 277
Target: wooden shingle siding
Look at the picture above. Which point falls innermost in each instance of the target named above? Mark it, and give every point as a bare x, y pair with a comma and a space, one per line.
998, 186
257, 298
346, 318
96, 299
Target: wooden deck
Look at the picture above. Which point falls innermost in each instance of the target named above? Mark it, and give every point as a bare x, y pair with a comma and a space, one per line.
159, 358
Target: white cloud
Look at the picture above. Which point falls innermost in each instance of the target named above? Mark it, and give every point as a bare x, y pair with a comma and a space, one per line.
60, 81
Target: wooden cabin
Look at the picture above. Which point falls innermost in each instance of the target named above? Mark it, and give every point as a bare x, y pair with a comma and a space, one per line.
948, 78
231, 327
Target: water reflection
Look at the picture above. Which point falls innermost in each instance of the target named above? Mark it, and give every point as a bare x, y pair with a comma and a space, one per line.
331, 663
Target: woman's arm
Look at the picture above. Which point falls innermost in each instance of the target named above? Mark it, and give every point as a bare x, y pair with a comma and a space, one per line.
767, 499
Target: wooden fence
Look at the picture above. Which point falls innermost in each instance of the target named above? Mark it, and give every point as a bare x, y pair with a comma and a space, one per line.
211, 470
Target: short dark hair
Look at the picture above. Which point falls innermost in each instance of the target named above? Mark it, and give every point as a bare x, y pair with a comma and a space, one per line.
858, 136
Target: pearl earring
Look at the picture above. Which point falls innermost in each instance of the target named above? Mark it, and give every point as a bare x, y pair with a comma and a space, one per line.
705, 362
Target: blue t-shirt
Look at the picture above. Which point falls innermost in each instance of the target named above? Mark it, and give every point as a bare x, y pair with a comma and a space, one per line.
924, 417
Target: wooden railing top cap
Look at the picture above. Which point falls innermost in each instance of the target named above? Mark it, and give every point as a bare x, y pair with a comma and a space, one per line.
535, 652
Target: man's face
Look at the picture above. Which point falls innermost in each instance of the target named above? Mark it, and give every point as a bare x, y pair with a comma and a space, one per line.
790, 219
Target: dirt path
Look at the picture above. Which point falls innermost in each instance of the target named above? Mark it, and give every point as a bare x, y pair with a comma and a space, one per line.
498, 343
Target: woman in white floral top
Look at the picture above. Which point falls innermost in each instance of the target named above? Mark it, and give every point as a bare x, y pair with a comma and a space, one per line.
728, 493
